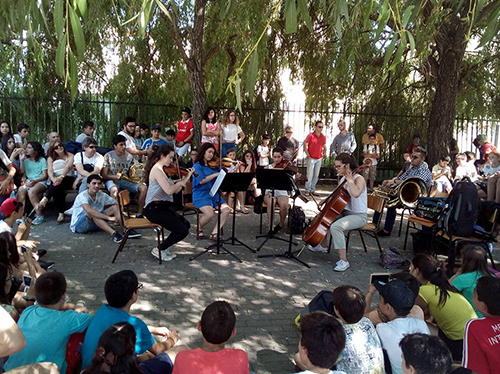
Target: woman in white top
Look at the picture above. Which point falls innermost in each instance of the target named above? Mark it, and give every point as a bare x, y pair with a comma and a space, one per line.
159, 206
61, 177
354, 215
232, 134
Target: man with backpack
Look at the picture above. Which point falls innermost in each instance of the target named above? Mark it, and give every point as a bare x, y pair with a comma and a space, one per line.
418, 169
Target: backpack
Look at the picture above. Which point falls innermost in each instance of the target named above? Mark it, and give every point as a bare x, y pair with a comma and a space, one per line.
461, 210
391, 258
297, 220
430, 207
322, 302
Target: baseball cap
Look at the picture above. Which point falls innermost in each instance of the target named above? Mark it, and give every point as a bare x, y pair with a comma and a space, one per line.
155, 127
266, 136
398, 295
9, 206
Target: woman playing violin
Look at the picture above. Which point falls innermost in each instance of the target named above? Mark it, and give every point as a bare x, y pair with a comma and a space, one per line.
280, 196
353, 216
248, 164
201, 188
160, 202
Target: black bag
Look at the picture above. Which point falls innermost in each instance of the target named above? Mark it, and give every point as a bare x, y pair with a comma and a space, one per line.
461, 210
257, 205
430, 207
89, 168
297, 221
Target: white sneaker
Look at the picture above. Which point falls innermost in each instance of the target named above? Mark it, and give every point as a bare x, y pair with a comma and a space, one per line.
168, 253
342, 266
164, 256
318, 248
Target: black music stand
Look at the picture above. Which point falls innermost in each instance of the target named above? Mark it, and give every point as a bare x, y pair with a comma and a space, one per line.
273, 179
219, 245
289, 253
234, 183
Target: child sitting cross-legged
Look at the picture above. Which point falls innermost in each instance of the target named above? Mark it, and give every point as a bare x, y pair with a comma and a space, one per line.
217, 326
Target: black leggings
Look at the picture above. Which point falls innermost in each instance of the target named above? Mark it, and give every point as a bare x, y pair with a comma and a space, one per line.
58, 192
161, 212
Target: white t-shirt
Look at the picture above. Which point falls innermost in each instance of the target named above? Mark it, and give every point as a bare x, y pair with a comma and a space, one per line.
469, 170
230, 132
18, 139
490, 170
356, 204
6, 228
6, 161
130, 143
80, 138
391, 333
101, 201
96, 160
263, 149
59, 165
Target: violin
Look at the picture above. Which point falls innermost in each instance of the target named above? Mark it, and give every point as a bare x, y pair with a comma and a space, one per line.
226, 163
286, 165
173, 170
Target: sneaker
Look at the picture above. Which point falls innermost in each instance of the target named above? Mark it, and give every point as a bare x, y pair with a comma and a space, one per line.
165, 255
383, 233
117, 237
40, 252
318, 248
134, 234
38, 220
46, 265
168, 253
81, 303
342, 266
277, 229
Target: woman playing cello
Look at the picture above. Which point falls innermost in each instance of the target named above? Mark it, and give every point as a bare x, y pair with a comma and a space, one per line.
354, 215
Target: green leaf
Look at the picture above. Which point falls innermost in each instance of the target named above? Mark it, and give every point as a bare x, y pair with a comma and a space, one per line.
82, 8
411, 39
304, 13
237, 92
493, 26
367, 11
406, 16
390, 50
228, 7
164, 9
77, 33
344, 10
60, 56
59, 18
399, 52
73, 73
290, 17
252, 73
338, 27
382, 18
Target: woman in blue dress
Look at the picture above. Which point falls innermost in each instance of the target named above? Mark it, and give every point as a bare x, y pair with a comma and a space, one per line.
201, 190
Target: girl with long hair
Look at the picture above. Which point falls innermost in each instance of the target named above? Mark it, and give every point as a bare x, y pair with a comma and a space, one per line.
34, 167
232, 134
248, 164
5, 129
354, 215
61, 177
201, 190
6, 278
9, 147
441, 300
210, 131
474, 266
159, 205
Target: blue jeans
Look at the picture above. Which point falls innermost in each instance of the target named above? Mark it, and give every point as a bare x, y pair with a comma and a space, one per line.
390, 218
122, 185
313, 167
227, 146
84, 225
160, 364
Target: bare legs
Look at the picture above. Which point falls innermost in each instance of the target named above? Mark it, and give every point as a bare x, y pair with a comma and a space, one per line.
208, 215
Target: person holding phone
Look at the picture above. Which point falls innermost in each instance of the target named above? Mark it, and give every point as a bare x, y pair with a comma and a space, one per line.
16, 222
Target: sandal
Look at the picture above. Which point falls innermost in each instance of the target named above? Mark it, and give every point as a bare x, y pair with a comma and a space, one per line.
60, 218
42, 203
201, 235
213, 237
244, 211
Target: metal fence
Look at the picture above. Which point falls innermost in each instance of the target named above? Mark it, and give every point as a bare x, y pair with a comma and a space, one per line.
56, 114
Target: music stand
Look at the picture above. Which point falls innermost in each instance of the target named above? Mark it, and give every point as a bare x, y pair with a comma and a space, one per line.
289, 253
272, 179
234, 183
219, 245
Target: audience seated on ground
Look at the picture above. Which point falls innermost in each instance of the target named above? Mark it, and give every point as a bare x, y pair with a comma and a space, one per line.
11, 337
322, 341
21, 138
396, 300
12, 153
51, 139
115, 354
93, 209
474, 266
7, 170
87, 162
88, 131
217, 326
117, 164
46, 327
15, 223
424, 354
439, 299
122, 291
482, 340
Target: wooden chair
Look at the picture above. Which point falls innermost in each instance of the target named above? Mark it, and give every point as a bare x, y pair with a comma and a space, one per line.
134, 223
188, 206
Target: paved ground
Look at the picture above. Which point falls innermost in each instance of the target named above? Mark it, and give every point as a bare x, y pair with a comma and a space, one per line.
266, 294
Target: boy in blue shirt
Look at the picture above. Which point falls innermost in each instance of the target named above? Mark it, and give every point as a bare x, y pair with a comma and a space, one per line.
155, 139
46, 327
122, 291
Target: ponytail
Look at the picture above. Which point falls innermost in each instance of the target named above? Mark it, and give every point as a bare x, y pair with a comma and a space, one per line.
430, 269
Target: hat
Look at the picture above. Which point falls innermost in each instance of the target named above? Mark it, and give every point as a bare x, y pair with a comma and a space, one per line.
481, 138
265, 136
156, 127
398, 295
187, 110
9, 206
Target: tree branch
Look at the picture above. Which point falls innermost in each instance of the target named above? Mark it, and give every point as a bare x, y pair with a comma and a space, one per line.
176, 33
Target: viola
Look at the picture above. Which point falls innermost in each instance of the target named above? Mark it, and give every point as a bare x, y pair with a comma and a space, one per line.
173, 170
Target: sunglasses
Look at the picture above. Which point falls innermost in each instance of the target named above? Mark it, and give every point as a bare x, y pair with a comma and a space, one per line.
92, 147
140, 286
59, 146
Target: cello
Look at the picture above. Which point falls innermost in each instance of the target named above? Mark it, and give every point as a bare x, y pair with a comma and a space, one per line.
332, 207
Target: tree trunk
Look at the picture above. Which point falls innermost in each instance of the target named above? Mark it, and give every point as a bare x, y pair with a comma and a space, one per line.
450, 45
200, 100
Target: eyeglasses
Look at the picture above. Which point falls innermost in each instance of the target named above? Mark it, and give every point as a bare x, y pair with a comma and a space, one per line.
140, 286
289, 132
338, 166
92, 147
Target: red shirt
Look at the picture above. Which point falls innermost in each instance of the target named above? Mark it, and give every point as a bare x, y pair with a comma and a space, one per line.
198, 361
315, 145
487, 149
184, 130
482, 345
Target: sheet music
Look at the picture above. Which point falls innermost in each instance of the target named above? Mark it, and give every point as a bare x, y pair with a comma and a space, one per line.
218, 182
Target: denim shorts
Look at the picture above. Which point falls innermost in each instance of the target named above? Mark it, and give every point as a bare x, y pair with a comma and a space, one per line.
122, 185
83, 225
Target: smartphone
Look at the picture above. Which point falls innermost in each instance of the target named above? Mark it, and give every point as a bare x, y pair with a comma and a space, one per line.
27, 281
24, 249
380, 277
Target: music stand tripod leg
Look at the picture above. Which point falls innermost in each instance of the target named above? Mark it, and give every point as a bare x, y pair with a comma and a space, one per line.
233, 237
